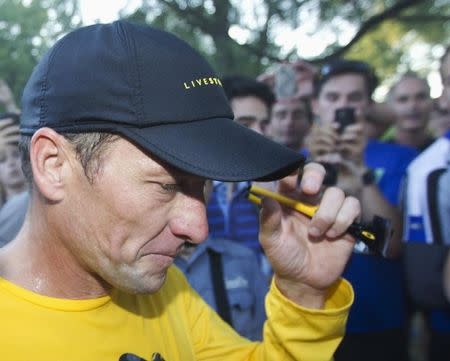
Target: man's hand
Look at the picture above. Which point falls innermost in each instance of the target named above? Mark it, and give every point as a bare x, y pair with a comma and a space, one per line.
7, 98
322, 140
308, 255
9, 133
352, 142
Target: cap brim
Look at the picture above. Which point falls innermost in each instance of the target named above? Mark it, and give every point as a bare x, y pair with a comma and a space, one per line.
218, 149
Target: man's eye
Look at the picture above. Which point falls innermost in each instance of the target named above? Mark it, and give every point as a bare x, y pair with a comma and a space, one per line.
402, 99
170, 187
331, 97
245, 121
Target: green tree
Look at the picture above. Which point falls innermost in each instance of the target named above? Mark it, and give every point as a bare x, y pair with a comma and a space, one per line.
27, 30
381, 30
207, 25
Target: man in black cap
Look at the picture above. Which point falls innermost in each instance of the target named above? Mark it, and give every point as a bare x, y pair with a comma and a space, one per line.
122, 124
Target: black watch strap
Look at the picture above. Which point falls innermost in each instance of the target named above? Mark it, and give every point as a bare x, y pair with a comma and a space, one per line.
368, 178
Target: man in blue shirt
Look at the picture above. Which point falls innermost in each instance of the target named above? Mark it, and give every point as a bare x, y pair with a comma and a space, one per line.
426, 220
230, 214
372, 172
411, 103
244, 285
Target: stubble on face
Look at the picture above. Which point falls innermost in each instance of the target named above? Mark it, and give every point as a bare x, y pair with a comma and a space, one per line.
124, 220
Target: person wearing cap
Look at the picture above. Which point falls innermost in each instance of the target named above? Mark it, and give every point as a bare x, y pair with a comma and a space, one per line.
371, 171
121, 126
409, 98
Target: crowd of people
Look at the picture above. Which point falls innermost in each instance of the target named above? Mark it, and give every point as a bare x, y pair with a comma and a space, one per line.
135, 155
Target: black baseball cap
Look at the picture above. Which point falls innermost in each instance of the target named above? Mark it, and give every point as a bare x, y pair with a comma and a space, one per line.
155, 90
340, 66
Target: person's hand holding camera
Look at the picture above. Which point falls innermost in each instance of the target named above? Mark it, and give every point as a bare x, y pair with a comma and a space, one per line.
7, 98
321, 143
351, 144
9, 132
340, 147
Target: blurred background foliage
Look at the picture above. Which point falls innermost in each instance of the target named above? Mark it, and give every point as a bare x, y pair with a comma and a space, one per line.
247, 36
27, 30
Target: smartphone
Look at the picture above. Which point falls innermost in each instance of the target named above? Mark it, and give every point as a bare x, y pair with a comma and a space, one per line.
344, 117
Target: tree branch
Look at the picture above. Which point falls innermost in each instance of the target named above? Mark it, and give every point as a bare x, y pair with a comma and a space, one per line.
370, 24
424, 18
193, 16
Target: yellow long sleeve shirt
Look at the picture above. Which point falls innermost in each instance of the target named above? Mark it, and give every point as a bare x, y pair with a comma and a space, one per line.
172, 324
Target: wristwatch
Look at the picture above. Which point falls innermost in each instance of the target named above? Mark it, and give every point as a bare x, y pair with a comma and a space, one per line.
368, 177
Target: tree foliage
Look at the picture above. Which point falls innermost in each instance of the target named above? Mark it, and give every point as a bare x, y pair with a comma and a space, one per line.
27, 29
242, 36
239, 36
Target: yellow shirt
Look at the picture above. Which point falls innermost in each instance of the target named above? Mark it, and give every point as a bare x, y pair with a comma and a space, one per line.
174, 323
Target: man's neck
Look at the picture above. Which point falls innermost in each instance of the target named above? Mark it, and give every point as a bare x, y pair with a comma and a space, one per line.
415, 138
43, 265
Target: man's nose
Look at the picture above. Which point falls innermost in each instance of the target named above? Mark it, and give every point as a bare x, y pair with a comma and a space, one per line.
190, 222
345, 102
288, 119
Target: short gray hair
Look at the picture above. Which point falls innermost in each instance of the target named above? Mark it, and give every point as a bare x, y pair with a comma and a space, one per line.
88, 147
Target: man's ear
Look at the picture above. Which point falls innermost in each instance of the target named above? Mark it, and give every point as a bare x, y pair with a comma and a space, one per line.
50, 163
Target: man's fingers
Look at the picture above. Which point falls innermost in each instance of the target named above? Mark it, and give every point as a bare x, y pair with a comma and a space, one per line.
326, 214
288, 184
270, 222
330, 158
8, 123
312, 179
9, 133
10, 129
350, 210
324, 140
